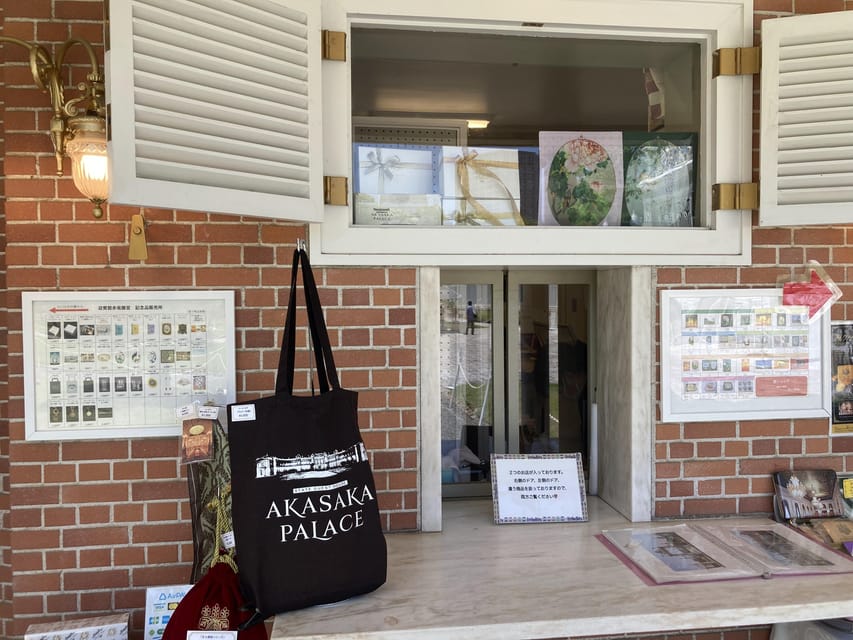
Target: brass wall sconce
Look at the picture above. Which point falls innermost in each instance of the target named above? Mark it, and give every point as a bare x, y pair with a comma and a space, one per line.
78, 127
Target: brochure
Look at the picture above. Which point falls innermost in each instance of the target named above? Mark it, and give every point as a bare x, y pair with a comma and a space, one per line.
806, 494
700, 552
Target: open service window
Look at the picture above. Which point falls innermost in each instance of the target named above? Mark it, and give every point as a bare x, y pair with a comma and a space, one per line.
591, 133
606, 130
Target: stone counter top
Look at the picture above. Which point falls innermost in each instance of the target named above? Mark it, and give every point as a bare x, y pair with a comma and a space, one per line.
477, 580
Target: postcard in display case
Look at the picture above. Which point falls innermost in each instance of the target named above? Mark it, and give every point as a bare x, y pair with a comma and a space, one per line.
806, 493
580, 178
481, 186
659, 179
397, 184
841, 375
816, 502
732, 354
119, 364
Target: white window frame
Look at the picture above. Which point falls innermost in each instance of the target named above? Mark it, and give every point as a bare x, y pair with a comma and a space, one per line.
725, 139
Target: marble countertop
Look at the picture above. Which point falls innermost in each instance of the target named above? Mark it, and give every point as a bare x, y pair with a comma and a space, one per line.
479, 580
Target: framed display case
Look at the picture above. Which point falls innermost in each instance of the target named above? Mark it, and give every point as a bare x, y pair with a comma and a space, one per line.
111, 365
730, 354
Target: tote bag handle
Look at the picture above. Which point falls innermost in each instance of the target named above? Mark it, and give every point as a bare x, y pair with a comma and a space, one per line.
327, 374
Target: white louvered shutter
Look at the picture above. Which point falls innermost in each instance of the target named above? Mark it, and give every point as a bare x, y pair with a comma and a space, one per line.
211, 108
807, 120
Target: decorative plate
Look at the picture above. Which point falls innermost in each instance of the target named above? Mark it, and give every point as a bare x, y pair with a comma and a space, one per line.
581, 183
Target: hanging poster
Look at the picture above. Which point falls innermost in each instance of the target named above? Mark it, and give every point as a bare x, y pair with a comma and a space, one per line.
741, 354
119, 364
841, 375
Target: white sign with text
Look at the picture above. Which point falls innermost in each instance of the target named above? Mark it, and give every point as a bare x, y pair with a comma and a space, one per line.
538, 488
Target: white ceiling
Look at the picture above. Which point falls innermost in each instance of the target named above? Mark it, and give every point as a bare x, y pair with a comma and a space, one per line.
520, 83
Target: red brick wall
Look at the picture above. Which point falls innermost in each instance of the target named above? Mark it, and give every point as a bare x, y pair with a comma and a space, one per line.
93, 524
724, 468
5, 548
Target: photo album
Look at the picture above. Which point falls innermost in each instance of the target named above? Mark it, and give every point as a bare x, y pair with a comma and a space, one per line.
813, 534
704, 552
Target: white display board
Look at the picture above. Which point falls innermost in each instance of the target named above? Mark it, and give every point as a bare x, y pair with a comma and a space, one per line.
119, 364
740, 354
546, 487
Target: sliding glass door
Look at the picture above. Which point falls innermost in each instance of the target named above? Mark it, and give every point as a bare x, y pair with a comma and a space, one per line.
515, 369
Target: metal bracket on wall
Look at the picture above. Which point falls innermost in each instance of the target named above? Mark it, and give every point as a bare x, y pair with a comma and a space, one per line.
138, 249
335, 190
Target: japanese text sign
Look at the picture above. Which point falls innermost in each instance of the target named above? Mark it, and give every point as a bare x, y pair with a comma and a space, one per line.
538, 488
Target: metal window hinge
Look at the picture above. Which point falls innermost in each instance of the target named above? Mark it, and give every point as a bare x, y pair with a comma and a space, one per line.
335, 190
334, 45
730, 196
739, 61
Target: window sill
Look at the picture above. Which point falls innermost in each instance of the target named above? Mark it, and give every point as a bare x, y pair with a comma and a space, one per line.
480, 580
336, 242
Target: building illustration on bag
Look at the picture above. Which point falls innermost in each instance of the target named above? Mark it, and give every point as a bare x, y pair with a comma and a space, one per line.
315, 465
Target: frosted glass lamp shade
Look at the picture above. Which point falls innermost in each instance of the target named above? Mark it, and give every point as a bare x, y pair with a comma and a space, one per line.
89, 163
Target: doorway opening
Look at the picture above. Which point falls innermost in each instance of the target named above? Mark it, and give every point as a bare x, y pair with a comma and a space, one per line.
515, 369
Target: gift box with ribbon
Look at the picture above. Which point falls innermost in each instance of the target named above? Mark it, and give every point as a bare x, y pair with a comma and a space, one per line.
397, 184
481, 187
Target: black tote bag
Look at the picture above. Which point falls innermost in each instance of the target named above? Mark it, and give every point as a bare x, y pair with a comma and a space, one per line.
304, 505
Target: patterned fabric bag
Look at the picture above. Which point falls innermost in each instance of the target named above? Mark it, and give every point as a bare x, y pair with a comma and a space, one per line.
204, 479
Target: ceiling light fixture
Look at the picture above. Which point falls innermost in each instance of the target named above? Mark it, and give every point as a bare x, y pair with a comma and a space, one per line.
78, 127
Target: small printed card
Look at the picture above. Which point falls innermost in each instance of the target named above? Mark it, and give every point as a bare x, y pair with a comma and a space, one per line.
402, 209
196, 440
160, 604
